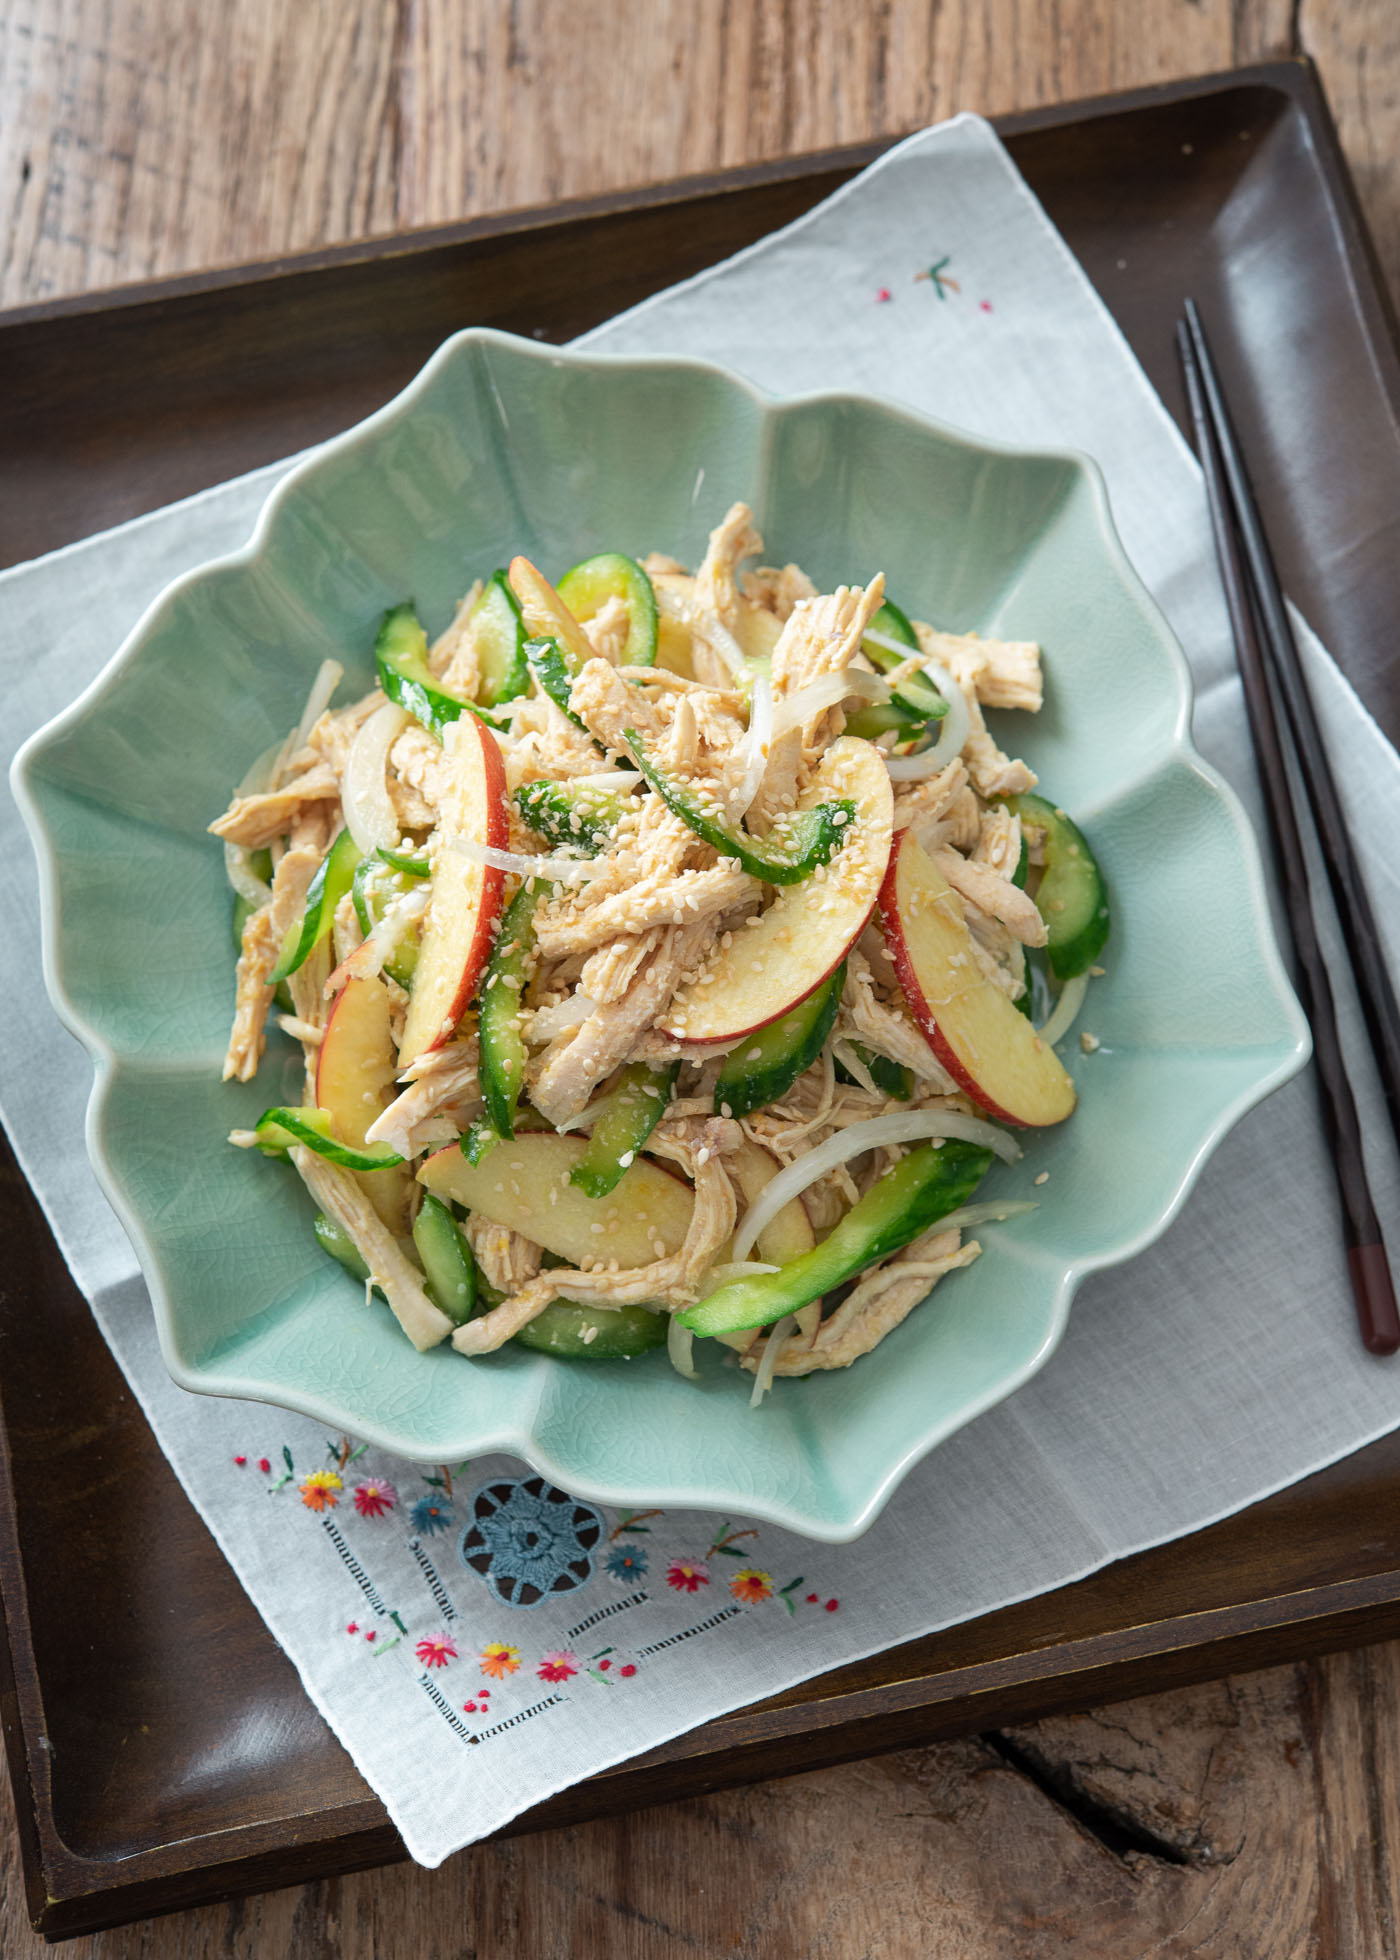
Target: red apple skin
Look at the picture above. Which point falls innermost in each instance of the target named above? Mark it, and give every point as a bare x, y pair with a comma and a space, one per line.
466, 907
1057, 1092
826, 917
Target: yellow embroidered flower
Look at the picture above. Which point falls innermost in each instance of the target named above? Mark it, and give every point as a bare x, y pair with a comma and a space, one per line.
498, 1660
750, 1585
318, 1493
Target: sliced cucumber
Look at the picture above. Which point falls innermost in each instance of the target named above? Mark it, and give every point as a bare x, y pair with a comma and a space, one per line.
413, 864
447, 1260
922, 1187
796, 845
550, 669
571, 814
278, 1129
401, 656
872, 722
626, 1119
503, 1052
587, 588
919, 697
373, 890
892, 1077
334, 878
498, 634
333, 1238
765, 1065
577, 1333
1071, 897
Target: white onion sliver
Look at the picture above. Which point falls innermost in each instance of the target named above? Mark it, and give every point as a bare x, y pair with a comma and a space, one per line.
957, 725
679, 1342
557, 868
259, 777
754, 748
550, 1021
1066, 1010
238, 863
853, 1065
328, 678
608, 779
777, 1341
369, 810
910, 1126
734, 1269
827, 691
889, 645
713, 631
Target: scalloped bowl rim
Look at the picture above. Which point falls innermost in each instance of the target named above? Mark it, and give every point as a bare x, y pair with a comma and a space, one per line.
510, 1438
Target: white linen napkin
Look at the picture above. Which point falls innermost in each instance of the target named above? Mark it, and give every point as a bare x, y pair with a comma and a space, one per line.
934, 279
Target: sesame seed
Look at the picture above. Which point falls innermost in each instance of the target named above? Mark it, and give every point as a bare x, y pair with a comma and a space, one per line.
1044, 1178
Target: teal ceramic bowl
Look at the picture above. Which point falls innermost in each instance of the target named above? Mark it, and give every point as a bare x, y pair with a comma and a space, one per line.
501, 446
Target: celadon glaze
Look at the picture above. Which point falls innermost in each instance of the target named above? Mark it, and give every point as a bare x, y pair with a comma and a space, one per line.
498, 447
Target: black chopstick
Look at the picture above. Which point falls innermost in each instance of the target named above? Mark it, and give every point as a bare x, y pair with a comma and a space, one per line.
1377, 995
1367, 1263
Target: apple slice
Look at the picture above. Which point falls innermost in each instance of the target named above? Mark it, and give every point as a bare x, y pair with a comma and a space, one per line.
988, 1047
466, 898
355, 1070
525, 1184
808, 930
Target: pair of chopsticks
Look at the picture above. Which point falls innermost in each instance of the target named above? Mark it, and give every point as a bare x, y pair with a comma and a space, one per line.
1272, 672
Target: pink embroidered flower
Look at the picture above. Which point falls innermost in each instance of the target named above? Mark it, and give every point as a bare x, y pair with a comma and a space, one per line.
498, 1660
375, 1497
240, 1461
469, 1708
884, 295
354, 1627
265, 1465
437, 1649
558, 1665
832, 1604
629, 1670
318, 1493
751, 1585
686, 1575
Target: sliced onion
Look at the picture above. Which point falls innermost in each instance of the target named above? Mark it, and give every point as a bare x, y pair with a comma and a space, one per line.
679, 1342
608, 779
364, 788
733, 1269
909, 1127
238, 863
754, 748
827, 691
904, 651
957, 725
560, 870
552, 1021
1066, 1010
713, 631
777, 1341
367, 959
845, 1054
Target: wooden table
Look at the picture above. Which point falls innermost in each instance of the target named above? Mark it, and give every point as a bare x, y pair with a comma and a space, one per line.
1257, 1816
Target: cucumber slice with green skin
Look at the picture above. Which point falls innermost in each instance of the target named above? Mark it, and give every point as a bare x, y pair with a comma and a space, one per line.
502, 1045
576, 1333
793, 849
243, 910
765, 1065
278, 1129
570, 814
587, 588
627, 1118
498, 634
373, 890
334, 878
1071, 897
919, 696
931, 1180
1036, 1001
446, 1259
401, 656
410, 863
551, 670
871, 722
333, 1238
892, 1077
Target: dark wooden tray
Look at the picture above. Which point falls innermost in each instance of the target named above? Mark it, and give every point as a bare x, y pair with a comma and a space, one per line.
162, 1751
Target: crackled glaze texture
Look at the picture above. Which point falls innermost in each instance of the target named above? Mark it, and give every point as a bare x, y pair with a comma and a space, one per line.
498, 447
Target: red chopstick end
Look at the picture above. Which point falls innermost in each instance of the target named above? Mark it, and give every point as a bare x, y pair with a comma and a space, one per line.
1375, 1298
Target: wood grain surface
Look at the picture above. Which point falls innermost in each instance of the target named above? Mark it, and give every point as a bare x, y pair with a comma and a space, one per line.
1257, 1816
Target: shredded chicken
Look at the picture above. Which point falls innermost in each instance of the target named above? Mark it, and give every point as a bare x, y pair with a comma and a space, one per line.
256, 821
398, 1279
876, 1304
